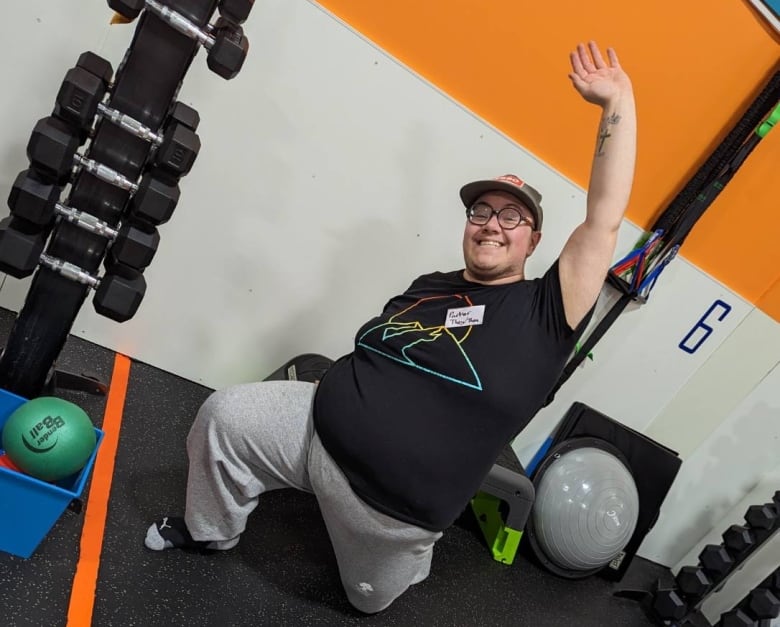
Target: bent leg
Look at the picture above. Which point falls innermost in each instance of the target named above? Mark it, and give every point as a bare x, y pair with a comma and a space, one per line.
246, 440
379, 557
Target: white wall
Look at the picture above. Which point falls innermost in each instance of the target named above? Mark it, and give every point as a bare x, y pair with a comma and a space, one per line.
327, 181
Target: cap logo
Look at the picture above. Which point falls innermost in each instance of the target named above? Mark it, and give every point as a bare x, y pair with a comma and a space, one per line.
511, 178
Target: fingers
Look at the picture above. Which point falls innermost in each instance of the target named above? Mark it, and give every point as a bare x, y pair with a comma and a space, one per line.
585, 59
576, 64
589, 59
596, 54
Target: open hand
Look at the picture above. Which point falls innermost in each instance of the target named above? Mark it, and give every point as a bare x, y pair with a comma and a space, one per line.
597, 81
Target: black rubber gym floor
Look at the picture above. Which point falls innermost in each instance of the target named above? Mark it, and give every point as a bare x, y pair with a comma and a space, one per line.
283, 572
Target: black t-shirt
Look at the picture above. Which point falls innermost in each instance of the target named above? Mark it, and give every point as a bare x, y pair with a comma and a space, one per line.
437, 385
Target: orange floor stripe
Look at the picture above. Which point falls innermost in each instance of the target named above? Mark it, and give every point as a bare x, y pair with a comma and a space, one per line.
82, 595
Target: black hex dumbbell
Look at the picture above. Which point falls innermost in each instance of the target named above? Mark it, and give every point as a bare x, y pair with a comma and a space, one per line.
758, 607
229, 49
176, 147
225, 41
762, 516
134, 246
98, 66
693, 582
184, 114
37, 201
738, 539
80, 99
154, 201
178, 150
78, 102
761, 604
52, 154
33, 199
51, 149
117, 294
716, 561
82, 91
21, 245
236, 11
669, 605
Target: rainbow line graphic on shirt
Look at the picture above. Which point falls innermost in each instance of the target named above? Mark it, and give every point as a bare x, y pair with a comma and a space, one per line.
422, 344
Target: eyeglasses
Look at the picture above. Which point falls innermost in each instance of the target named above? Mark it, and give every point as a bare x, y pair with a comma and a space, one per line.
509, 217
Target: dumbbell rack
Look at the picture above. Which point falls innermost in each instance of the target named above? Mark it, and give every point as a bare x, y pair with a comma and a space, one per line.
166, 39
764, 600
678, 604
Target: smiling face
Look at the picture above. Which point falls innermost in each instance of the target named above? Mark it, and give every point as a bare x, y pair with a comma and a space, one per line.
494, 255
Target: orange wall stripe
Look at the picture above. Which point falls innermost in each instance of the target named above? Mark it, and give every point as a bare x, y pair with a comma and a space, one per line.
696, 66
770, 301
82, 596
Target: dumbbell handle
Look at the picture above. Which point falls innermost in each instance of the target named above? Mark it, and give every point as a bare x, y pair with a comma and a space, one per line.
181, 23
104, 173
86, 221
129, 124
69, 270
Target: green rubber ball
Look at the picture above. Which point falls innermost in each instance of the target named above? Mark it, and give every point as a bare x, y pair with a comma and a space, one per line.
49, 438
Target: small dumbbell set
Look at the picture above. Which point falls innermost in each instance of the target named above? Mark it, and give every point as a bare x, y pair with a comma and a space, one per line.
104, 175
680, 604
52, 151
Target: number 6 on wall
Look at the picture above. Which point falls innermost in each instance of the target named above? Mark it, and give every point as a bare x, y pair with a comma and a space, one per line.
701, 330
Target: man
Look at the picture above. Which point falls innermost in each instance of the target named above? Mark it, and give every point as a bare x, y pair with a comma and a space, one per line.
399, 434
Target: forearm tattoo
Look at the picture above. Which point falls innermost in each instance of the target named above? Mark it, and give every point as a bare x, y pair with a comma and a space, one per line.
604, 133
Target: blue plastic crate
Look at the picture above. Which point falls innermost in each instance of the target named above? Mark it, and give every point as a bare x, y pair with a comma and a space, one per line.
30, 506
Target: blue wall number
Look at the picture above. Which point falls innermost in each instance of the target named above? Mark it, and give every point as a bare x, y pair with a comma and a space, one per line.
701, 330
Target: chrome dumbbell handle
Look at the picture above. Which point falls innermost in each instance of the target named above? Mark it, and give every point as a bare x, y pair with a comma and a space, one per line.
180, 23
104, 173
86, 221
69, 271
129, 124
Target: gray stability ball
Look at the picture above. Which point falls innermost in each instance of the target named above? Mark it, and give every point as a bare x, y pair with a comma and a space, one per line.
586, 509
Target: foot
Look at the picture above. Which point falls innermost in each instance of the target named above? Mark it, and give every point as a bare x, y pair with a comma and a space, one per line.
171, 533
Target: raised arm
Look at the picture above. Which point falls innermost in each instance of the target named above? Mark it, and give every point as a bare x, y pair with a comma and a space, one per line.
587, 255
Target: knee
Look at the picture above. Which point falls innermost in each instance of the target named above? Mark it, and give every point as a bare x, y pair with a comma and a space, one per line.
218, 410
212, 419
212, 408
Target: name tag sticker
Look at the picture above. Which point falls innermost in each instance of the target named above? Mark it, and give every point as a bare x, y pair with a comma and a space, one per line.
464, 316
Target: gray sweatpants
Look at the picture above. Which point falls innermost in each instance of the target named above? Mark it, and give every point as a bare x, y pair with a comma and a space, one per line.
256, 437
